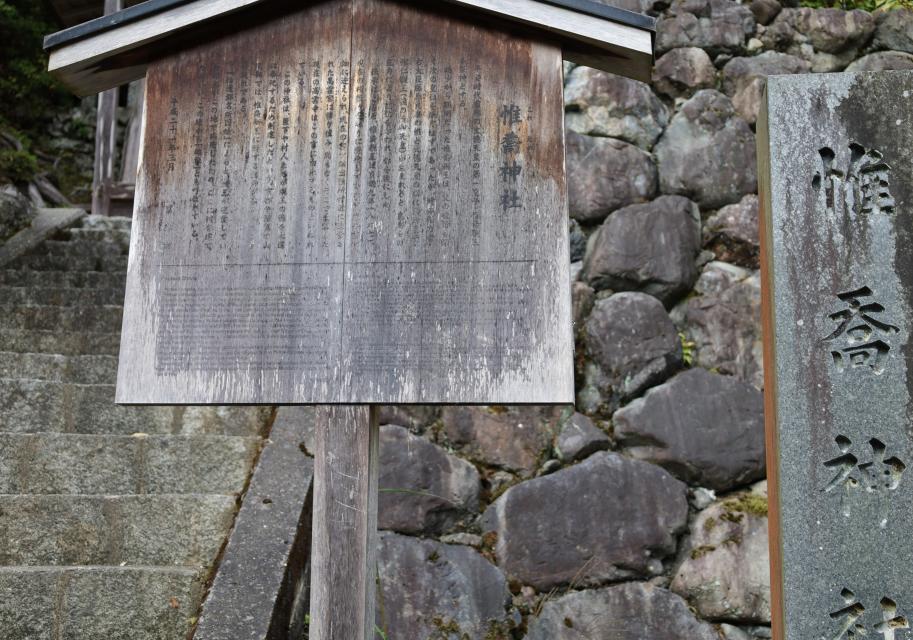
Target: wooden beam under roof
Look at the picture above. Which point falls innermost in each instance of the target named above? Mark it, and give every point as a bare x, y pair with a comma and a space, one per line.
116, 49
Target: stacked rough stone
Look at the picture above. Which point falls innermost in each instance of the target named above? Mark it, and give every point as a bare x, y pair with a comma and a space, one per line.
644, 513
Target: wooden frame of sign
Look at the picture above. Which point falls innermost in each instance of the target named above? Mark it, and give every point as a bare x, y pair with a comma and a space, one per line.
345, 218
344, 203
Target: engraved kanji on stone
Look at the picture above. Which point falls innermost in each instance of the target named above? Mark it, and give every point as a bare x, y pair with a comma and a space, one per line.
848, 616
863, 188
511, 114
863, 336
879, 474
891, 622
510, 170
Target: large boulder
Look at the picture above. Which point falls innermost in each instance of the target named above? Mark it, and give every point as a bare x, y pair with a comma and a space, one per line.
828, 38
433, 590
423, 489
726, 573
732, 233
647, 247
631, 344
883, 61
707, 153
724, 322
607, 518
744, 78
894, 30
16, 212
717, 26
605, 104
511, 438
681, 72
632, 611
764, 11
604, 174
705, 428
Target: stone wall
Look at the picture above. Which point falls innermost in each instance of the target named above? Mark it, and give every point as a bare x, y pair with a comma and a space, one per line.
643, 514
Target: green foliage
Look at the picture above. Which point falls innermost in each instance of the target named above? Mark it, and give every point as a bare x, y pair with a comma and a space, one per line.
865, 5
18, 166
687, 349
29, 95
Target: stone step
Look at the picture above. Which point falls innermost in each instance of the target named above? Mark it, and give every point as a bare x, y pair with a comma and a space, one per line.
30, 406
68, 343
63, 279
99, 603
105, 319
88, 370
45, 262
61, 296
47, 463
177, 530
120, 237
80, 248
97, 222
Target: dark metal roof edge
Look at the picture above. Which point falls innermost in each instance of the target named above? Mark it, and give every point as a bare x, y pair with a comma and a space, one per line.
151, 7
105, 23
598, 10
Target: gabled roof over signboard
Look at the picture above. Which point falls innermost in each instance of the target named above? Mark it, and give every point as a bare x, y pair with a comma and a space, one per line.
115, 49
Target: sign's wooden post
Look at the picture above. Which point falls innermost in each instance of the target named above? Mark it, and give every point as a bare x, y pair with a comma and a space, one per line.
346, 203
344, 542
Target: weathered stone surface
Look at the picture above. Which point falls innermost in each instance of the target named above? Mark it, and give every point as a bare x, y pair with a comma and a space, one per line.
764, 10
577, 240
578, 438
724, 322
604, 104
708, 152
705, 428
622, 612
632, 343
732, 232
605, 174
423, 489
115, 603
264, 560
434, 590
16, 212
415, 417
717, 26
681, 72
883, 61
894, 30
647, 247
582, 298
513, 438
552, 530
828, 38
726, 574
744, 78
107, 530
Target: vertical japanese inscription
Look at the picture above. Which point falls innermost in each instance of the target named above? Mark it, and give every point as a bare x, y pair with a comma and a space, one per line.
367, 220
838, 273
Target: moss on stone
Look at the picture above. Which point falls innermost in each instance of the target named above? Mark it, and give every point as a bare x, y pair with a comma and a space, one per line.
701, 551
750, 503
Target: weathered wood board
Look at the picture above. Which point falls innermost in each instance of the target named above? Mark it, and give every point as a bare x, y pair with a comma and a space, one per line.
326, 214
837, 191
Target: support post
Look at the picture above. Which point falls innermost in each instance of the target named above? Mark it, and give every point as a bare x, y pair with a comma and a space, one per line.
344, 541
105, 140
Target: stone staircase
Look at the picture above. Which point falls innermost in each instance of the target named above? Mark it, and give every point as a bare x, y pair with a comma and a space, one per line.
111, 518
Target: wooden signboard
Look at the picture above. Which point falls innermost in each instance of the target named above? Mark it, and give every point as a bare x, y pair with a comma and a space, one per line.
327, 213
